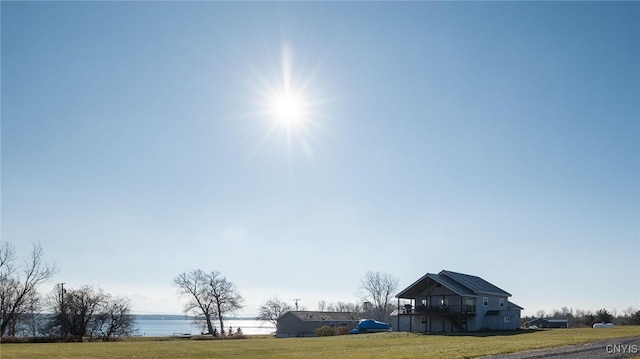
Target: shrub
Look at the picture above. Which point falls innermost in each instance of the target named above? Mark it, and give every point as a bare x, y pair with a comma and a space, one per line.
23, 340
203, 337
235, 336
226, 337
324, 331
603, 316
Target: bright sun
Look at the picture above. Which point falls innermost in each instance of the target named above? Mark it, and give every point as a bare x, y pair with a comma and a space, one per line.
288, 109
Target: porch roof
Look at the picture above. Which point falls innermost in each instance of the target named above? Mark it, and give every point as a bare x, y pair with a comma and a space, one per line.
423, 283
462, 284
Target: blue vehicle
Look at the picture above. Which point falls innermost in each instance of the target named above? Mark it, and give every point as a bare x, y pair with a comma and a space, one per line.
371, 326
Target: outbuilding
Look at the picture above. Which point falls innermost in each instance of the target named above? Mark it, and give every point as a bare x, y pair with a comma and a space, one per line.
304, 323
549, 323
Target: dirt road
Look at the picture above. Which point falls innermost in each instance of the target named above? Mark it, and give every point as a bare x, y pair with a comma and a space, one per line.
610, 349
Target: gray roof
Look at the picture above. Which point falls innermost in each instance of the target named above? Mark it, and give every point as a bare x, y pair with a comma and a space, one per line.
513, 306
459, 283
329, 316
452, 284
551, 320
477, 284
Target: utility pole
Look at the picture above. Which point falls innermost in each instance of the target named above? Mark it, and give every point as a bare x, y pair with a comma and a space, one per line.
63, 317
366, 307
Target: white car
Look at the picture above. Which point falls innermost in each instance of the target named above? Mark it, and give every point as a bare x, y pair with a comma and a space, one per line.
603, 325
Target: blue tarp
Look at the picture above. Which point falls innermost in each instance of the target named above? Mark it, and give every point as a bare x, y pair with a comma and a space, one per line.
370, 325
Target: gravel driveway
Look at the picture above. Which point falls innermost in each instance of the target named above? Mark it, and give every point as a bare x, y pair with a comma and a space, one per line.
610, 348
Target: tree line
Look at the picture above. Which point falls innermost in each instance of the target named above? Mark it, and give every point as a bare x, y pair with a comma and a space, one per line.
580, 317
376, 291
70, 314
89, 312
211, 297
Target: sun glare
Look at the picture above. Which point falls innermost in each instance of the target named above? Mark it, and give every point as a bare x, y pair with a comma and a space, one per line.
288, 109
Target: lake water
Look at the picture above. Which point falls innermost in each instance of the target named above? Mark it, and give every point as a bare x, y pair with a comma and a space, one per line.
165, 327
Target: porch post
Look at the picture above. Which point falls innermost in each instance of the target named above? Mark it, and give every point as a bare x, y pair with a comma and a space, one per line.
398, 327
411, 317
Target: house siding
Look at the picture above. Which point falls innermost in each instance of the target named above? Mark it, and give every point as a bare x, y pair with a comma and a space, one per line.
401, 323
479, 322
491, 316
290, 325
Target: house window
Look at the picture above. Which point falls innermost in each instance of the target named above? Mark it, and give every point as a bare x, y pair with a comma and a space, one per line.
485, 301
423, 320
502, 302
507, 319
343, 324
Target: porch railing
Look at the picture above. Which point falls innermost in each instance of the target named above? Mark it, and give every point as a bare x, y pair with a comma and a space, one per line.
419, 309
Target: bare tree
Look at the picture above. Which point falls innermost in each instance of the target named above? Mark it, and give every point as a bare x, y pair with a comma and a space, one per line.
629, 312
566, 312
210, 296
89, 311
225, 295
76, 312
273, 309
322, 305
200, 302
634, 318
18, 284
345, 307
378, 289
115, 318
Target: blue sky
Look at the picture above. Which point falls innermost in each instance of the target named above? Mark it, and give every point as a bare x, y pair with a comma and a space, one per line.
499, 139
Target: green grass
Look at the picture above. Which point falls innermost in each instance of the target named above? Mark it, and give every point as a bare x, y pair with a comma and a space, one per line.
387, 345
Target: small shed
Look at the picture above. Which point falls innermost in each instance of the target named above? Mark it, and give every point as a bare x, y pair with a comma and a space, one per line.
304, 323
549, 323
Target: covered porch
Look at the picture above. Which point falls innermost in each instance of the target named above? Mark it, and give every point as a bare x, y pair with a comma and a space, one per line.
435, 305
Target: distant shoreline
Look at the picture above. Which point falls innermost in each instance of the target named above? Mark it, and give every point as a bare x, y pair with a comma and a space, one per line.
182, 317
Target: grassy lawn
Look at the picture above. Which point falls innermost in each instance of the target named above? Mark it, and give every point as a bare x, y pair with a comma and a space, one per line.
388, 345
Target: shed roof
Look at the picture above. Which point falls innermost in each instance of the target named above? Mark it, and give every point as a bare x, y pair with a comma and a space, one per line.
550, 320
459, 283
306, 315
